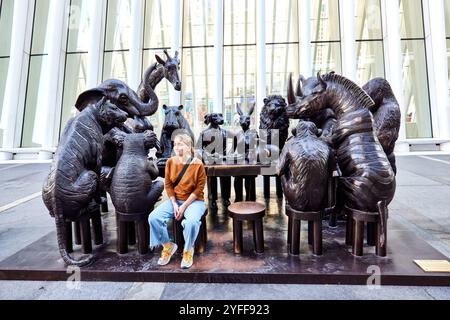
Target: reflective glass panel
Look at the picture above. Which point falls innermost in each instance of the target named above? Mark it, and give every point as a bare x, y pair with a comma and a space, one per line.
239, 22
198, 27
325, 20
415, 86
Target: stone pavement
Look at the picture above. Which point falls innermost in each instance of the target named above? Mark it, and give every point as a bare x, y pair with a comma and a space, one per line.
422, 204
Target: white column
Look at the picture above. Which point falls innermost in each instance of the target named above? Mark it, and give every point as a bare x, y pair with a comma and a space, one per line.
218, 58
348, 37
175, 96
136, 45
50, 105
260, 55
96, 36
305, 38
394, 61
16, 81
434, 12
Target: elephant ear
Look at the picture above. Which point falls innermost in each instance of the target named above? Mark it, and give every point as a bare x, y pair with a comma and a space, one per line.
89, 97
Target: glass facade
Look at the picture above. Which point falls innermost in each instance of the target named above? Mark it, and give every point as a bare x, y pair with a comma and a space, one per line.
6, 20
239, 65
198, 30
197, 60
369, 41
117, 37
447, 35
415, 73
32, 134
282, 49
325, 36
157, 37
75, 75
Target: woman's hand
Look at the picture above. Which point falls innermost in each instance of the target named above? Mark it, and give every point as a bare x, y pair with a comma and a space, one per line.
179, 216
176, 208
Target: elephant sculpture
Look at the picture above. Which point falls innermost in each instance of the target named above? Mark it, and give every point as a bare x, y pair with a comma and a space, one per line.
174, 121
304, 168
73, 182
275, 123
121, 95
386, 115
211, 147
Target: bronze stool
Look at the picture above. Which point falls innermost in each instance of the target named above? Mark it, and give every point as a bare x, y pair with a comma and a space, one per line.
128, 227
82, 229
253, 213
377, 236
202, 238
314, 219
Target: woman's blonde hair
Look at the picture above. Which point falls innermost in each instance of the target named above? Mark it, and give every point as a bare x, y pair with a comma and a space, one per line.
187, 140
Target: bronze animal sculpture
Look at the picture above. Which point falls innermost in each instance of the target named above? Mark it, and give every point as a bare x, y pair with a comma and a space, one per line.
386, 115
133, 191
246, 141
211, 147
170, 70
73, 180
325, 119
304, 168
174, 121
121, 95
368, 180
275, 123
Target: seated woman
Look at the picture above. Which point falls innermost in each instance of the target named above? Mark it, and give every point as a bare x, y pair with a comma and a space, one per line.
186, 202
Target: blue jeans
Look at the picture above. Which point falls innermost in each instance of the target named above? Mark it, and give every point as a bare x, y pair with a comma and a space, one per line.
191, 223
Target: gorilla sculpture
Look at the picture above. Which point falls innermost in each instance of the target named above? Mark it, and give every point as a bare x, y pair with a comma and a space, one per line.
304, 167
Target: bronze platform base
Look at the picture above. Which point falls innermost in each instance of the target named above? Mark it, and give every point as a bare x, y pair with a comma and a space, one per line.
219, 264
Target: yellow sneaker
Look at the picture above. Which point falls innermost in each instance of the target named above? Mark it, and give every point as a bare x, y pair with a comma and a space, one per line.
167, 253
188, 258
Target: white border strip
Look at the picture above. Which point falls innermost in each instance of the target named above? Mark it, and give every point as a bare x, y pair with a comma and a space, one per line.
434, 159
20, 201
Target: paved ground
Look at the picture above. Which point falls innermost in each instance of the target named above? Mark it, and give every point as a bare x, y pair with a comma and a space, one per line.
422, 204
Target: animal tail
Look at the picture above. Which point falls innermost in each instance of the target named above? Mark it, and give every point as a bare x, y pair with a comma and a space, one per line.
61, 236
383, 210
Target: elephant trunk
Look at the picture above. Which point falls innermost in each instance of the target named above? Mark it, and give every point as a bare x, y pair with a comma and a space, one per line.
146, 100
61, 237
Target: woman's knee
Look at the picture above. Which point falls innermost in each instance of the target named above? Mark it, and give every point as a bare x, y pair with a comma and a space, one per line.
191, 223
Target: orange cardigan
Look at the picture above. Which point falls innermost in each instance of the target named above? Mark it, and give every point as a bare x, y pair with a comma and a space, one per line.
194, 180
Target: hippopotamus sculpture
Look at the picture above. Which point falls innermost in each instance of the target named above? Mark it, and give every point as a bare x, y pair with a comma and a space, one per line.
174, 121
210, 150
386, 115
304, 167
73, 180
275, 123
